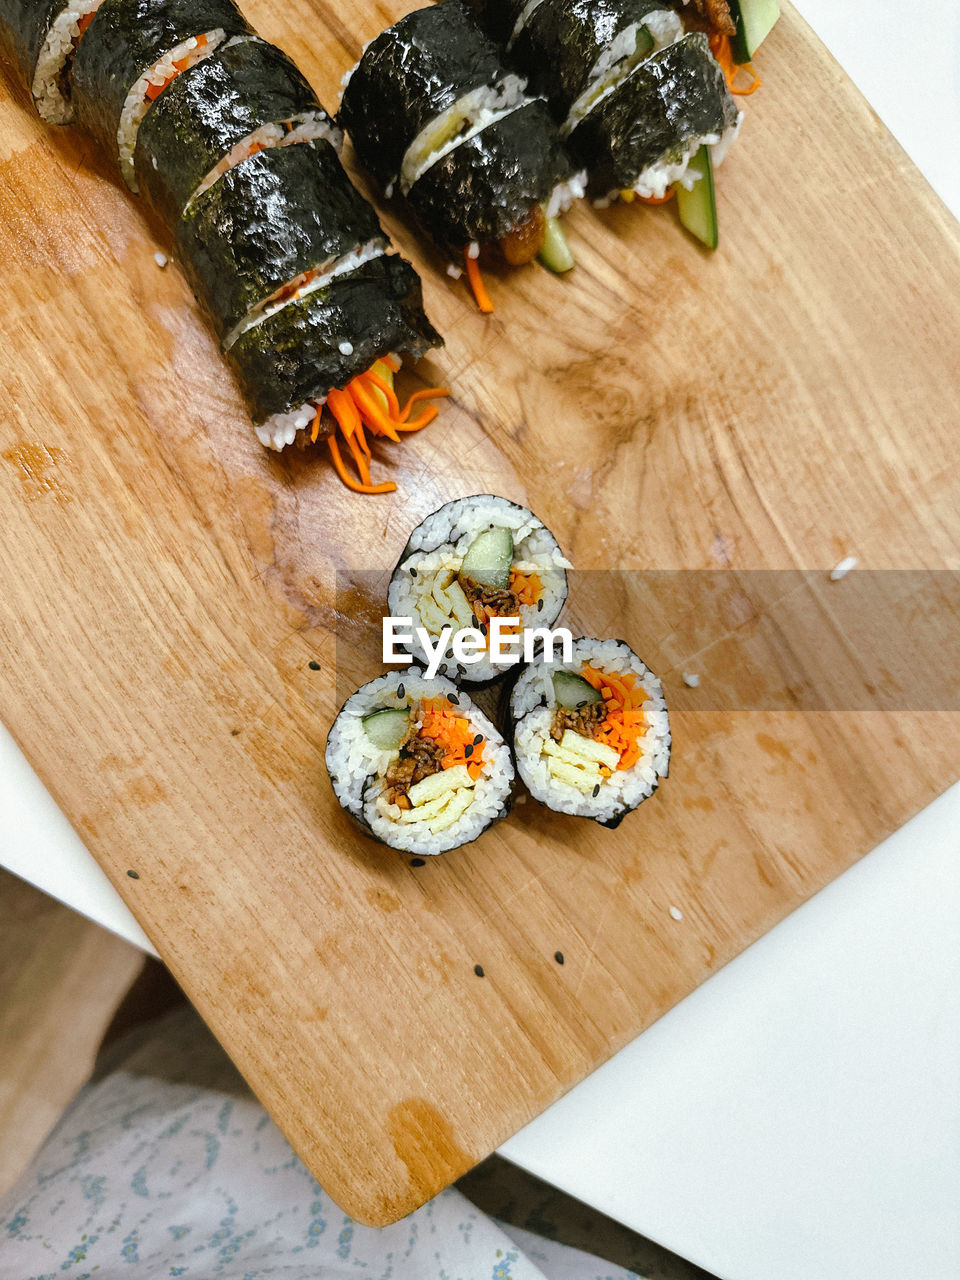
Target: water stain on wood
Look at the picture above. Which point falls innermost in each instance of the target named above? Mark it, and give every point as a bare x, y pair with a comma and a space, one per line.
423, 1139
36, 470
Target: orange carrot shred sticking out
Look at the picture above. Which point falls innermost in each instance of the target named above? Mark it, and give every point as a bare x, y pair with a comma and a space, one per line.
658, 199
525, 586
369, 403
387, 487
720, 48
344, 410
476, 283
624, 724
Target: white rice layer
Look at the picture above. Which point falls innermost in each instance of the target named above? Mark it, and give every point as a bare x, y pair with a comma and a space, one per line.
533, 706
326, 273
137, 104
424, 585
459, 122
281, 429
619, 60
357, 767
64, 30
656, 179
565, 193
306, 127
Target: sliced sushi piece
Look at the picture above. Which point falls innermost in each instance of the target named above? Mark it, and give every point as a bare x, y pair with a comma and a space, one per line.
291, 361
417, 765
132, 50
592, 736
42, 39
284, 223
643, 135
246, 97
436, 117
475, 559
580, 50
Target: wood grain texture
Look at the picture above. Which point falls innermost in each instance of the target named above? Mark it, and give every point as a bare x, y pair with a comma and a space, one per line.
780, 404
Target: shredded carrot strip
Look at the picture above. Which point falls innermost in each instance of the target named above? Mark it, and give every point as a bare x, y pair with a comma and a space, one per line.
525, 586
720, 48
419, 423
658, 199
392, 403
476, 284
387, 487
624, 724
369, 403
344, 410
428, 393
442, 725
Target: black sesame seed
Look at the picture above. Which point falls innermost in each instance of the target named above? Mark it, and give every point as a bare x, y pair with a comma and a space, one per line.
468, 751
478, 739
452, 697
558, 956
413, 571
418, 862
478, 970
461, 669
134, 875
400, 690
596, 790
475, 620
540, 605
314, 666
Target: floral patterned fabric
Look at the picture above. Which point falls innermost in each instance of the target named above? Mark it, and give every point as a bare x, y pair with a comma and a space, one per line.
166, 1166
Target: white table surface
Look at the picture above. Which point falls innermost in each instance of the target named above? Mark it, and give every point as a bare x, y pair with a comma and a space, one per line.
797, 1117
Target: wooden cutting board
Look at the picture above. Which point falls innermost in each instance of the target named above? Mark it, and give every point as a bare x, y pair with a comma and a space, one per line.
783, 403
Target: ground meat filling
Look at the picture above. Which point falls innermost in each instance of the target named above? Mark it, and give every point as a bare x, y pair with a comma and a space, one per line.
715, 14
502, 604
418, 759
584, 720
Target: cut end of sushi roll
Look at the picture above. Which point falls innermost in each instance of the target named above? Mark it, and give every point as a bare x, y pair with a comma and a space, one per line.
417, 765
51, 77
475, 559
591, 736
148, 87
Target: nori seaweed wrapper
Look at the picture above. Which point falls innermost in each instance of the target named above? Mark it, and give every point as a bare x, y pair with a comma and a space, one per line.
294, 356
407, 76
281, 212
561, 43
124, 40
207, 110
678, 94
23, 29
484, 188
497, 17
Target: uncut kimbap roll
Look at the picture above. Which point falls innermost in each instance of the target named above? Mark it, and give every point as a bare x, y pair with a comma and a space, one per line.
591, 736
475, 559
437, 118
417, 765
129, 54
246, 97
294, 361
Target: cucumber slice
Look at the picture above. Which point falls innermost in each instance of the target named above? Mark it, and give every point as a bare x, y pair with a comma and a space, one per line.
755, 20
386, 729
555, 254
489, 558
573, 691
698, 208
